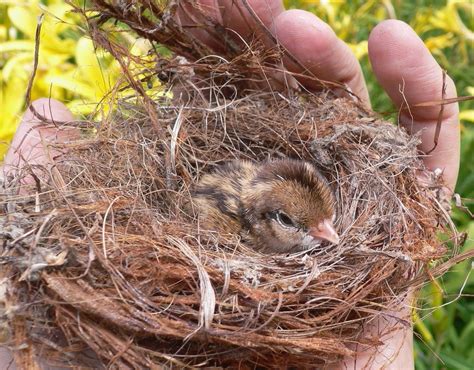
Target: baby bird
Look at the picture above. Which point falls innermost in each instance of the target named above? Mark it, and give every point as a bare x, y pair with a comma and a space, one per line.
281, 206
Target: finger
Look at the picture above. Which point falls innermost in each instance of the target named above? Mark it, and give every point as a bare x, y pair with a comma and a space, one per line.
241, 22
315, 45
6, 359
399, 58
396, 335
31, 143
188, 17
237, 16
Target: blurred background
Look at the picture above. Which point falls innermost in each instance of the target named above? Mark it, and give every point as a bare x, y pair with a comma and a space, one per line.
71, 70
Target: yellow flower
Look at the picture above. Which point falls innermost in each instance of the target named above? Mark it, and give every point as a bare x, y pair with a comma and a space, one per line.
449, 20
360, 49
92, 78
70, 68
17, 55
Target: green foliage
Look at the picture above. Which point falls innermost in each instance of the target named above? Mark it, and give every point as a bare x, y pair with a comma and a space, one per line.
446, 332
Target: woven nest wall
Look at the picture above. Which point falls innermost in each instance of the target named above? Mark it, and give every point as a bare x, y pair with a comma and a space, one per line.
104, 262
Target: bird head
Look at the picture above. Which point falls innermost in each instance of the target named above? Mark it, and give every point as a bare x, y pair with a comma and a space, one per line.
289, 207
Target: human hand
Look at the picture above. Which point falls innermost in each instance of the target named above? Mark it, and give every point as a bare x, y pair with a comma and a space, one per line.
408, 73
398, 56
33, 142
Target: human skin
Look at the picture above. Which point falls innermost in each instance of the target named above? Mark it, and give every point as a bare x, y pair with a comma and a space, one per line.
399, 59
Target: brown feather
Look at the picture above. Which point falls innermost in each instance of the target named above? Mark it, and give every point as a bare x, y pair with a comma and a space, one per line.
251, 199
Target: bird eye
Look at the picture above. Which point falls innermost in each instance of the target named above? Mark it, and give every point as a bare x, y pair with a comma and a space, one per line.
284, 220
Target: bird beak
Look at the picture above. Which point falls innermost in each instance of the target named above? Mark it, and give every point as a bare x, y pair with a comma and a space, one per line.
325, 231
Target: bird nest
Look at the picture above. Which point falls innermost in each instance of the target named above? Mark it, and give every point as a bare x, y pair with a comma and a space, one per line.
104, 263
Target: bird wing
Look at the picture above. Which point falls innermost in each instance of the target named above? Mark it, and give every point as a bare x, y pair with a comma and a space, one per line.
217, 196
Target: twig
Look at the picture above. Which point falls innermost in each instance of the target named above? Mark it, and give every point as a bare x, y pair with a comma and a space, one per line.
35, 61
440, 115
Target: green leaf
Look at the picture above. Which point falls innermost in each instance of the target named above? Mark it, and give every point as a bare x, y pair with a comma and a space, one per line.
454, 361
